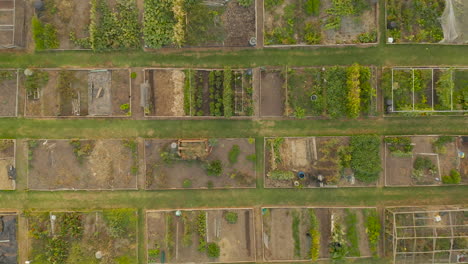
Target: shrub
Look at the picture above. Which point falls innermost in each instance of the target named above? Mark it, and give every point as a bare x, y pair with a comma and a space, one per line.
133, 75
439, 145
44, 35
231, 217
365, 157
312, 7
213, 250
187, 183
153, 254
214, 168
245, 3
299, 112
425, 163
312, 34
125, 107
369, 37
234, 154
281, 175
453, 178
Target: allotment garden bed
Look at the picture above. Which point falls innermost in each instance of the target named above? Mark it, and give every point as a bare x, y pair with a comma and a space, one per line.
198, 92
12, 17
334, 92
432, 234
67, 93
82, 164
423, 91
198, 23
8, 95
426, 160
7, 164
8, 238
310, 162
200, 163
66, 237
95, 24
200, 236
299, 234
320, 22
426, 21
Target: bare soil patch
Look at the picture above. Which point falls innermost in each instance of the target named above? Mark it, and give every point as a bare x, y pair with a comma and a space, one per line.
82, 164
286, 231
68, 93
167, 92
179, 237
273, 94
239, 24
8, 95
400, 169
166, 169
111, 233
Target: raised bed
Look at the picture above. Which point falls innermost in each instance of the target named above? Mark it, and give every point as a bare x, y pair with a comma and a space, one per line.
200, 163
423, 91
428, 21
201, 236
97, 25
425, 160
66, 237
82, 164
8, 95
198, 92
320, 22
7, 164
312, 162
318, 92
435, 234
214, 23
76, 93
311, 234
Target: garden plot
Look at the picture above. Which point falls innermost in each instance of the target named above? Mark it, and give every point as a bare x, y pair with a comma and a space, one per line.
8, 95
322, 162
12, 23
428, 21
318, 92
82, 164
200, 236
300, 234
200, 163
8, 238
426, 160
7, 164
97, 25
66, 237
198, 92
420, 235
68, 93
199, 23
320, 22
426, 90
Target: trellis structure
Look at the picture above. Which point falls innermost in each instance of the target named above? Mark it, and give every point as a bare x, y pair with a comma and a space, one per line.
427, 236
394, 109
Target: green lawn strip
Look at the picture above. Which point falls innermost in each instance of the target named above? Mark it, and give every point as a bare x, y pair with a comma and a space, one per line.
230, 198
119, 128
400, 54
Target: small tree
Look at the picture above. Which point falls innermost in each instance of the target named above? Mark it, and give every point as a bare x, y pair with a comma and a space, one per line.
214, 168
453, 178
213, 250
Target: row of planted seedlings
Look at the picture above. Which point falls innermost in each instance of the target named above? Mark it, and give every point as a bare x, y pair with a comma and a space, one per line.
365, 160
423, 91
75, 92
198, 92
335, 92
320, 22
